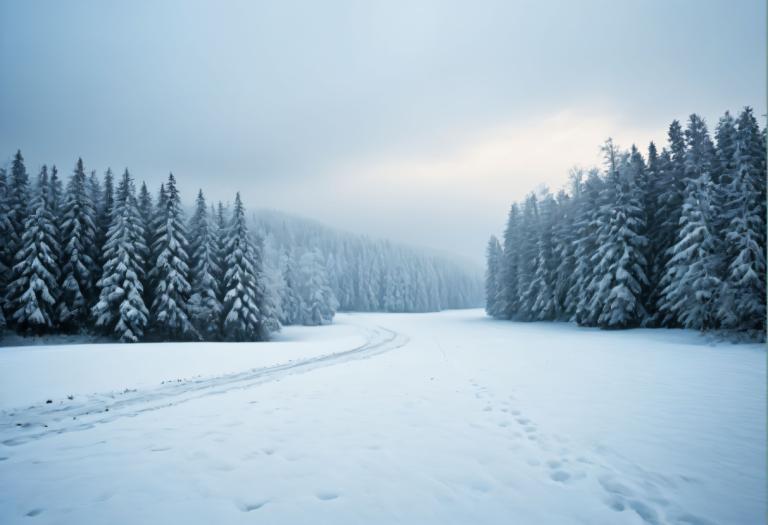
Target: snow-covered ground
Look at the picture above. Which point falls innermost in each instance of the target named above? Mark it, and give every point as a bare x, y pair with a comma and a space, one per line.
383, 418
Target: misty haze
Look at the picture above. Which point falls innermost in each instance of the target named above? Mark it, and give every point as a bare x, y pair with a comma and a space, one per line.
383, 262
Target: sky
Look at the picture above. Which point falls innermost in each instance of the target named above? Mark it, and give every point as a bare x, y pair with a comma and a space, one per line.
419, 121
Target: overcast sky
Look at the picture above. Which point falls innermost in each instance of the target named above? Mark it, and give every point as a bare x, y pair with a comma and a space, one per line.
419, 121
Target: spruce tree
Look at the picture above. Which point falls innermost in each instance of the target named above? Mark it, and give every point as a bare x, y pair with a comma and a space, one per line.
691, 281
78, 233
509, 302
494, 259
6, 256
242, 316
619, 273
120, 310
743, 296
204, 304
587, 227
670, 188
318, 304
170, 273
542, 288
528, 259
34, 287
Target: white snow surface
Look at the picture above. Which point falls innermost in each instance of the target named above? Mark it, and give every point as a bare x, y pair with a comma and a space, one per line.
389, 418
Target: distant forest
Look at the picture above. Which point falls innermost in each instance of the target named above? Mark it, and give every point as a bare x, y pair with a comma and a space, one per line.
675, 238
98, 256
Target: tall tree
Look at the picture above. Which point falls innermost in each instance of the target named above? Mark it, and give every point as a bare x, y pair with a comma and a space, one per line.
242, 317
494, 259
743, 297
509, 271
170, 274
587, 226
6, 255
78, 233
34, 288
619, 274
120, 310
669, 205
204, 303
691, 281
542, 288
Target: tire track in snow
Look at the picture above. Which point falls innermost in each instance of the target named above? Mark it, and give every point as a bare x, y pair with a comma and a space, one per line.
23, 425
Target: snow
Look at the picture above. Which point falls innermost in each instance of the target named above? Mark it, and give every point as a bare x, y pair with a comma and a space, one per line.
438, 418
83, 369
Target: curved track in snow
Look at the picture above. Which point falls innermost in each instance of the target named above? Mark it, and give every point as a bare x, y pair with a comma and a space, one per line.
26, 424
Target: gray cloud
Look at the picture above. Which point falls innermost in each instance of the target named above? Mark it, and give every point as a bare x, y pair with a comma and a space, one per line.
280, 98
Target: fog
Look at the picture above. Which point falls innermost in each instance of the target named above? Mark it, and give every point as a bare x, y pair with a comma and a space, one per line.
416, 121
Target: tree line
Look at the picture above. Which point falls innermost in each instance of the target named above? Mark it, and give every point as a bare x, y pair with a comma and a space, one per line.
312, 265
96, 255
675, 238
100, 256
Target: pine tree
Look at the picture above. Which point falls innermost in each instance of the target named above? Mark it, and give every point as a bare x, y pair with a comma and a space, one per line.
542, 288
743, 295
528, 259
669, 191
204, 304
170, 273
509, 302
564, 246
494, 258
34, 288
587, 227
290, 300
318, 304
6, 256
120, 309
619, 273
691, 281
78, 233
242, 317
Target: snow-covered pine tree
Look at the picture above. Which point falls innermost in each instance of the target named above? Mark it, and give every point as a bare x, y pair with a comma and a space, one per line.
564, 245
542, 288
157, 219
204, 304
528, 258
587, 226
120, 310
78, 234
669, 191
494, 259
170, 271
318, 304
6, 256
289, 299
742, 303
619, 273
691, 281
34, 287
242, 317
510, 287
655, 176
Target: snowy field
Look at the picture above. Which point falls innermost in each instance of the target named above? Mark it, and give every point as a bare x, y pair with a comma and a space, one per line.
386, 418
